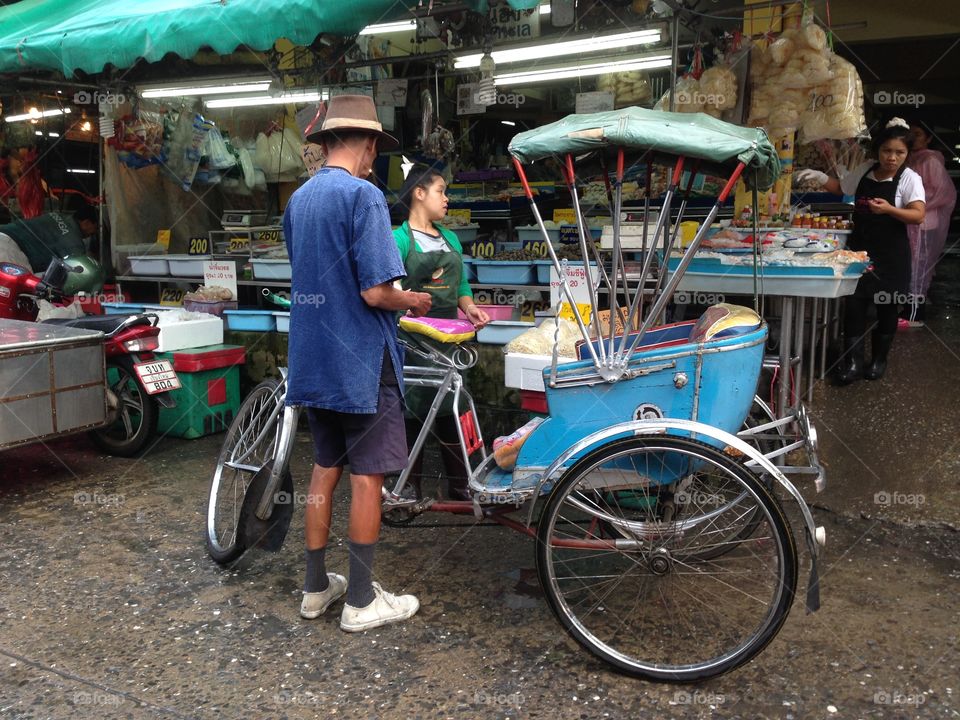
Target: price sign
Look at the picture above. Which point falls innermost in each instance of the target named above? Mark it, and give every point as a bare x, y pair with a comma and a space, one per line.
199, 246
530, 307
576, 280
239, 244
222, 273
172, 297
535, 247
569, 234
461, 213
485, 249
565, 217
586, 310
268, 236
163, 238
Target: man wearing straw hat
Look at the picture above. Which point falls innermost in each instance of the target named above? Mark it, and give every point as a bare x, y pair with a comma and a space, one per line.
345, 363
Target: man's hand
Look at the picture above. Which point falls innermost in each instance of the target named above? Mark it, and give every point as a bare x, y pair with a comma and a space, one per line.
421, 303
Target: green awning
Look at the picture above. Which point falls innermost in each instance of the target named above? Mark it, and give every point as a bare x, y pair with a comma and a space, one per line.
692, 135
71, 35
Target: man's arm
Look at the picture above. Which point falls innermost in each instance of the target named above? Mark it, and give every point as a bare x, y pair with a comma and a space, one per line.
386, 296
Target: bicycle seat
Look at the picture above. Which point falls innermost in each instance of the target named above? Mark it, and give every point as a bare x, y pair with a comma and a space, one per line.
446, 331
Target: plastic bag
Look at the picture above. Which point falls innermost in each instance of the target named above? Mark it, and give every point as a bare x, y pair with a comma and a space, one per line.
540, 340
48, 311
216, 151
689, 97
835, 110
719, 88
185, 147
506, 449
279, 156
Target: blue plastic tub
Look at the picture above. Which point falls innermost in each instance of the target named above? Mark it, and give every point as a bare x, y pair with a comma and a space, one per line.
469, 269
500, 332
508, 272
115, 308
255, 320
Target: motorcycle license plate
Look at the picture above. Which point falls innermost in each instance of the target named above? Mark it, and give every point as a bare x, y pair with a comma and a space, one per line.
157, 376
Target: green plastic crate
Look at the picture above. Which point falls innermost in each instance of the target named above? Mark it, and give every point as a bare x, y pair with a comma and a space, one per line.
209, 396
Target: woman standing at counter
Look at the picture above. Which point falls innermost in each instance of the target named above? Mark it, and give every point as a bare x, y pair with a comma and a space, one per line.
889, 197
433, 258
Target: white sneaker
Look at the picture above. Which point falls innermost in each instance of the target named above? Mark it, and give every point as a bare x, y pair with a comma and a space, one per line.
315, 604
384, 609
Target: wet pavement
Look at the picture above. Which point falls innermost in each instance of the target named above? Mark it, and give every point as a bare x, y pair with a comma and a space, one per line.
111, 608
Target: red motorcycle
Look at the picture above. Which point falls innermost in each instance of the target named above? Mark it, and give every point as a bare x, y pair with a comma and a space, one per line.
137, 382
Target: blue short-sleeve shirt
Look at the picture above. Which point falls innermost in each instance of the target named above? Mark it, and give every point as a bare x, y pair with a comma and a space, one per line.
337, 230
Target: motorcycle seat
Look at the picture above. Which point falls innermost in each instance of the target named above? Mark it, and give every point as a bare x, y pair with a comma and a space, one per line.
107, 324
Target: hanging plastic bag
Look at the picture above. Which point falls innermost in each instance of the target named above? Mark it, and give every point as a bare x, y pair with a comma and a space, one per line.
279, 156
186, 145
246, 166
835, 110
216, 151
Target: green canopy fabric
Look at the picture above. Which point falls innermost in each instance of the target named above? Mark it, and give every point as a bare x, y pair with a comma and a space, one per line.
71, 35
693, 135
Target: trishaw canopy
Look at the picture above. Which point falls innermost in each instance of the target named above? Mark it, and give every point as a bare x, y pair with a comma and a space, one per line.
693, 135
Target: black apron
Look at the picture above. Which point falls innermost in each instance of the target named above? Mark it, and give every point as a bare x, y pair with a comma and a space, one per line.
883, 237
438, 273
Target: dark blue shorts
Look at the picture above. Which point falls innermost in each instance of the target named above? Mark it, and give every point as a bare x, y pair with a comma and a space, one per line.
372, 444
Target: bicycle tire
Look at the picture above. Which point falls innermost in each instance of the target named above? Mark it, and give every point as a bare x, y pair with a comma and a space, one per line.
669, 627
258, 417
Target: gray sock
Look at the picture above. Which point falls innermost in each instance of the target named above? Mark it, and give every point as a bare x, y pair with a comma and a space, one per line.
359, 590
316, 579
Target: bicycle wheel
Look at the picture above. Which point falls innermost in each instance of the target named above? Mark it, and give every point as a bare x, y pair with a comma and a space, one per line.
639, 591
249, 444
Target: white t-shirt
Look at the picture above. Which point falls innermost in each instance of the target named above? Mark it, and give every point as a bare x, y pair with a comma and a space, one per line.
909, 190
432, 243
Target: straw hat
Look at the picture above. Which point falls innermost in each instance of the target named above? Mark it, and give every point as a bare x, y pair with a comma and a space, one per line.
352, 113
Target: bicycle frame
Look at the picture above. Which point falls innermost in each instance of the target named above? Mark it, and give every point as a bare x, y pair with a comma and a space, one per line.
445, 381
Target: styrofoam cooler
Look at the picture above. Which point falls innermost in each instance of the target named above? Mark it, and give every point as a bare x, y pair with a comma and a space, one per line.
189, 333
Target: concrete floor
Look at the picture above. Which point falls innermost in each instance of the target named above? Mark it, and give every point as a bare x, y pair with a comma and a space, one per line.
111, 608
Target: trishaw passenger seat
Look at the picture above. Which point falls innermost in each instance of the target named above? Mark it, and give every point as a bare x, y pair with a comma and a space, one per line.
724, 320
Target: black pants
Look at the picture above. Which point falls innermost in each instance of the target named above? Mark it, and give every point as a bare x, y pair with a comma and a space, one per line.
855, 315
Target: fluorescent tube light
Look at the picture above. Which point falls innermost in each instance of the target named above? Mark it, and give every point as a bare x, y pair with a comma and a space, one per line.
37, 115
511, 123
283, 99
38, 133
586, 70
81, 171
220, 89
53, 134
570, 47
390, 27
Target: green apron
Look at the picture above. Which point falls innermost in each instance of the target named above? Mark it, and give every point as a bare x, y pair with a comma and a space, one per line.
439, 274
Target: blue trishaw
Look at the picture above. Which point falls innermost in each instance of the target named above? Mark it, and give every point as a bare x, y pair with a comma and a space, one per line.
662, 545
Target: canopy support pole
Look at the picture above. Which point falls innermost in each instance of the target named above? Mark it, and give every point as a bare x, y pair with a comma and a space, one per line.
685, 261
564, 285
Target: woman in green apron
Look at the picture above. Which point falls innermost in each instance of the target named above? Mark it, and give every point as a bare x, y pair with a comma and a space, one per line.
433, 258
